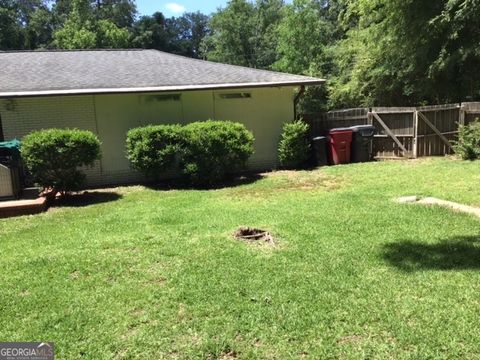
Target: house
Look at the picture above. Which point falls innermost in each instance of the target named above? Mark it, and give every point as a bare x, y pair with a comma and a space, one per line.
112, 91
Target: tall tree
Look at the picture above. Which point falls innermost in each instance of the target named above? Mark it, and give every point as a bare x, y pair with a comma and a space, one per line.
24, 24
150, 32
186, 34
182, 35
305, 38
83, 30
244, 33
408, 52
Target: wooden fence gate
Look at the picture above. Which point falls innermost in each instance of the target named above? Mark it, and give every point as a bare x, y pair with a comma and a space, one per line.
406, 132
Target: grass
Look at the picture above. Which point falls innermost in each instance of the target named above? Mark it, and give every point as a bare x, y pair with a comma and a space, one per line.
153, 274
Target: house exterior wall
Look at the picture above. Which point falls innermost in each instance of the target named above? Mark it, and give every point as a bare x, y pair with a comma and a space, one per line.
111, 116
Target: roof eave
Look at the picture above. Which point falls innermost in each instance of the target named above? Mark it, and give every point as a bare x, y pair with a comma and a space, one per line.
153, 89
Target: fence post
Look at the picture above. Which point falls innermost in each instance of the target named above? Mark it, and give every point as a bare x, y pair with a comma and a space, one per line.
461, 117
415, 134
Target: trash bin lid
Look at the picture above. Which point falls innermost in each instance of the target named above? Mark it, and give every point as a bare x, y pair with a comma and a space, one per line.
362, 127
339, 129
10, 148
364, 130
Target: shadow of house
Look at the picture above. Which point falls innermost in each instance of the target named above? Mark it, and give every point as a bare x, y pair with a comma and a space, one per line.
458, 253
86, 198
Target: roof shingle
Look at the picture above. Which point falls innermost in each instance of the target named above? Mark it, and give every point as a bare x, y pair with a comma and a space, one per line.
101, 71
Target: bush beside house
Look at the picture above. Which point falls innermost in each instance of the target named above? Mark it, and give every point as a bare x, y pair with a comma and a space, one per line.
468, 143
205, 152
53, 157
154, 149
294, 147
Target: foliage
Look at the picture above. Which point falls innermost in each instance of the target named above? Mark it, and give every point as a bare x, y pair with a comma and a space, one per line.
245, 33
82, 31
294, 147
214, 150
182, 35
53, 157
207, 152
154, 149
407, 53
468, 143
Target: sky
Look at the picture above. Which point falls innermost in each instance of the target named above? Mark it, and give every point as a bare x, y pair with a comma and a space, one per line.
178, 7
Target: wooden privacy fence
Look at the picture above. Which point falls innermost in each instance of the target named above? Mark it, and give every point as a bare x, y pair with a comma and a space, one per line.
409, 132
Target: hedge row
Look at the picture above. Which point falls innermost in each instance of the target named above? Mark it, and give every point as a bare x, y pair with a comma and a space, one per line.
205, 152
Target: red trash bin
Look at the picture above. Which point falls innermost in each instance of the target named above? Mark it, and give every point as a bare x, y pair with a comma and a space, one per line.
339, 141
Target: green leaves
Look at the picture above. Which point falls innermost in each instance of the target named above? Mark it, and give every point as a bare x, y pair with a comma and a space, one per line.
205, 152
468, 144
53, 157
245, 33
82, 31
153, 149
294, 147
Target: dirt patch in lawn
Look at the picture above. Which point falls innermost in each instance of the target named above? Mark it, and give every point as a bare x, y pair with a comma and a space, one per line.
279, 182
253, 235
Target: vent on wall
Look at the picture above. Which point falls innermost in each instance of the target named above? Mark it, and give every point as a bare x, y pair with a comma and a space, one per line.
163, 97
240, 95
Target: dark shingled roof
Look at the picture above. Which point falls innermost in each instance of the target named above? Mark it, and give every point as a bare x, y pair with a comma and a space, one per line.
24, 73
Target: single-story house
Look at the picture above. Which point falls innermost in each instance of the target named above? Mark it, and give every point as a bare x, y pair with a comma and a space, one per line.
112, 91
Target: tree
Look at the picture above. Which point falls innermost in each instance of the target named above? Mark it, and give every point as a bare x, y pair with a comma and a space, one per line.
305, 38
232, 33
182, 35
24, 24
407, 53
82, 30
186, 33
245, 33
11, 34
149, 32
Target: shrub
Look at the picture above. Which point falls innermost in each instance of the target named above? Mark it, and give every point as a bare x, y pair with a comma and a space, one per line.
468, 144
294, 147
154, 149
212, 151
54, 156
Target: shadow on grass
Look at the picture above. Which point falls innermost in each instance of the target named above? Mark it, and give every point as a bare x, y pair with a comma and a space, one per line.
183, 184
459, 253
86, 198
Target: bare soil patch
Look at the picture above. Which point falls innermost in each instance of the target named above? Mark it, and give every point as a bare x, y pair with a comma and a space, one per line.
250, 234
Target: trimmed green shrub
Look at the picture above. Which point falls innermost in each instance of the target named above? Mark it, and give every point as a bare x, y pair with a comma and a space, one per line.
53, 157
294, 147
468, 143
154, 149
213, 151
205, 152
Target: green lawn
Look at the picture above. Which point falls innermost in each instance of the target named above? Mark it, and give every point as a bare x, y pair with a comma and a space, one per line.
156, 274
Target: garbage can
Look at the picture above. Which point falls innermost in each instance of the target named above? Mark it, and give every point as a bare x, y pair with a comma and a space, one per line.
320, 150
339, 141
10, 186
362, 143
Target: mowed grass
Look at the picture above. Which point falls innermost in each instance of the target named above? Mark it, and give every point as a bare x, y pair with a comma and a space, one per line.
156, 274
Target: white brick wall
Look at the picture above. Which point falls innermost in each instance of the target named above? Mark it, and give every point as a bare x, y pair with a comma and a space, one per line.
110, 117
22, 116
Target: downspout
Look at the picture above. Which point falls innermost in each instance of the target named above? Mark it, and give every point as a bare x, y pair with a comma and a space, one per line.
297, 99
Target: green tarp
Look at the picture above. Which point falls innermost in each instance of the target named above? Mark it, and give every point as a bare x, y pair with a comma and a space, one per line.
10, 149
